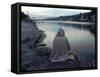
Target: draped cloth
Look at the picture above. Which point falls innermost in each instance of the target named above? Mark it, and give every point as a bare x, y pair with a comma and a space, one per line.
61, 47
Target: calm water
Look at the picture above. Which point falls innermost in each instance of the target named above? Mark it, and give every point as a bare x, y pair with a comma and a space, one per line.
82, 41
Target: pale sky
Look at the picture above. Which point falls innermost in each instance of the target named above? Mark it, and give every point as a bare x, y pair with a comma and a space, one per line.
45, 12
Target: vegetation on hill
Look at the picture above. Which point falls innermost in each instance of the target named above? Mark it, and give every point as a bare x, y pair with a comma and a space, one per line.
84, 17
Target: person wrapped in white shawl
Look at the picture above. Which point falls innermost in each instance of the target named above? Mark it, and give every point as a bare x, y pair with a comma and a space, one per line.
61, 47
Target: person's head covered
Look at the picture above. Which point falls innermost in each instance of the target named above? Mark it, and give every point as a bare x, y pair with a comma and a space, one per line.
60, 32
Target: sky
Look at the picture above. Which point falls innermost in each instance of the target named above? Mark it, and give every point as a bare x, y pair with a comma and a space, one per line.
45, 12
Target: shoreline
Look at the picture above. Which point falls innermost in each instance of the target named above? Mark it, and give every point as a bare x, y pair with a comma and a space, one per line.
69, 22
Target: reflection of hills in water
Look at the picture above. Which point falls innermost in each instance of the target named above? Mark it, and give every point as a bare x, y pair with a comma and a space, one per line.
90, 27
80, 25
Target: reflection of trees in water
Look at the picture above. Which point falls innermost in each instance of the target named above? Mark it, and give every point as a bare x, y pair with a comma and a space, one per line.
90, 28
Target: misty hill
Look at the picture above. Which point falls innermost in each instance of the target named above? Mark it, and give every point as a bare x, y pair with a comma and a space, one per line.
85, 17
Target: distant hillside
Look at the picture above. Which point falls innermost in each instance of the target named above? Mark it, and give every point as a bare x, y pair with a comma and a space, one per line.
88, 17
